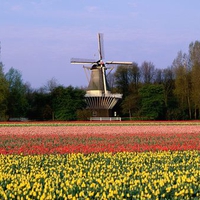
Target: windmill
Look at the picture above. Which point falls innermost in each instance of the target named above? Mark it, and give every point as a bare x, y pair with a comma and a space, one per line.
98, 95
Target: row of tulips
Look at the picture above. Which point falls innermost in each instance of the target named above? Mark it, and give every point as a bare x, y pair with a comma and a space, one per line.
46, 140
124, 175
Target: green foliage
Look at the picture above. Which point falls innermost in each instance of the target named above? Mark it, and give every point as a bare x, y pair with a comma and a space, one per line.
3, 94
152, 101
130, 104
17, 102
66, 102
40, 106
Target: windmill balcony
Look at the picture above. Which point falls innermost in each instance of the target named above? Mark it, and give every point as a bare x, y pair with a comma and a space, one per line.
99, 93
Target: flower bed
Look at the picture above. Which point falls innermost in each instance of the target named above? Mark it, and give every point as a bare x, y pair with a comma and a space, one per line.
125, 175
100, 162
90, 139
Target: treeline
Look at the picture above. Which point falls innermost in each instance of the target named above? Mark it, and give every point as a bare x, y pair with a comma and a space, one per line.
171, 93
18, 101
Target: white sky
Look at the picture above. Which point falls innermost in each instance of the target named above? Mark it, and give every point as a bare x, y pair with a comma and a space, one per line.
39, 37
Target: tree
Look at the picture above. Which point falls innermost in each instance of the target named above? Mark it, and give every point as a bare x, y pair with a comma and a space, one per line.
147, 72
67, 101
40, 105
111, 81
183, 83
158, 76
130, 105
122, 80
17, 103
134, 76
152, 101
3, 93
169, 86
194, 51
40, 101
127, 78
51, 85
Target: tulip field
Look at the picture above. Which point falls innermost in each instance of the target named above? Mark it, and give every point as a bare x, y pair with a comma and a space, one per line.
100, 161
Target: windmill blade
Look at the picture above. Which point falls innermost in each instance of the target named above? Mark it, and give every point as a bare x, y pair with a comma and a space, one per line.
118, 63
82, 61
110, 70
100, 46
86, 72
86, 67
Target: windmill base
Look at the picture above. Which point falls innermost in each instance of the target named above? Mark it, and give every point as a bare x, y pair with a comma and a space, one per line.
105, 118
102, 112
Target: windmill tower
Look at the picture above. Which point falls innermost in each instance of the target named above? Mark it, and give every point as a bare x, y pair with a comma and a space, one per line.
98, 96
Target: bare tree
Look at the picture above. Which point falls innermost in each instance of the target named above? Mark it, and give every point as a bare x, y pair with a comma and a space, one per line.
147, 72
158, 76
168, 83
122, 79
111, 81
183, 81
134, 75
194, 50
127, 78
51, 85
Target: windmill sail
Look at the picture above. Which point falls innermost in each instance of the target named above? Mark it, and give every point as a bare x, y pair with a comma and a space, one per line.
100, 46
82, 61
118, 63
